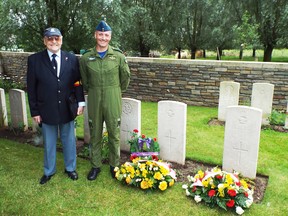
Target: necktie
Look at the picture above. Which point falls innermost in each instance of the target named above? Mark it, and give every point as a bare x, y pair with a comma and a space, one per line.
54, 62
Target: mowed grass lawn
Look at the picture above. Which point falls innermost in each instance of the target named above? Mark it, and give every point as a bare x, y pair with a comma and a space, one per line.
21, 168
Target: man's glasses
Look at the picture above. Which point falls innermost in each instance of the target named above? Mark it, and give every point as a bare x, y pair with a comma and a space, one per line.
52, 38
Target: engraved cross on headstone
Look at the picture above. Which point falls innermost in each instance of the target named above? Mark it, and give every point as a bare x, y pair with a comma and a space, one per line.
169, 141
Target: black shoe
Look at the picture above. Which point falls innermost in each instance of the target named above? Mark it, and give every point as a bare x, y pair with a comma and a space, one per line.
73, 175
112, 172
44, 179
92, 175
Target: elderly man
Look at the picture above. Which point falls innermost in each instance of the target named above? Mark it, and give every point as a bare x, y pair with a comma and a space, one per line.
105, 74
52, 77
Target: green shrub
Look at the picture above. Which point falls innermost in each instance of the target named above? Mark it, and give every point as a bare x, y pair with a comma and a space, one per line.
277, 117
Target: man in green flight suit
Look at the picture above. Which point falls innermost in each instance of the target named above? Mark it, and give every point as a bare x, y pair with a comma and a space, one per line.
105, 75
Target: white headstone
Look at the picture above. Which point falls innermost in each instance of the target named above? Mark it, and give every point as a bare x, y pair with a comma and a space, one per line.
130, 120
229, 96
3, 109
286, 122
18, 109
241, 141
172, 118
262, 98
86, 122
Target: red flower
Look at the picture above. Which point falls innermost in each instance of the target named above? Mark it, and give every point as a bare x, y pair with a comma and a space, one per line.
246, 194
219, 177
231, 193
154, 157
211, 193
230, 203
154, 139
238, 183
194, 189
132, 157
135, 131
143, 136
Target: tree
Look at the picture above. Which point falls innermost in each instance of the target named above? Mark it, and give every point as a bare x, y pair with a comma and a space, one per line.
197, 13
221, 23
174, 36
7, 28
75, 19
144, 24
271, 16
247, 34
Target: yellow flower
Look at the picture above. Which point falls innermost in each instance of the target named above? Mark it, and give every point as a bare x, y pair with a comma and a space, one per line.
123, 170
216, 169
144, 184
244, 184
135, 160
142, 166
150, 183
199, 175
158, 176
205, 183
164, 171
163, 185
221, 193
128, 180
171, 183
229, 179
149, 163
144, 173
137, 172
130, 169
117, 174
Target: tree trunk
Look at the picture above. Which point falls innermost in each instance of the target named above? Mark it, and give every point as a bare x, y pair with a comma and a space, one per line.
219, 53
241, 54
144, 50
179, 53
204, 53
193, 53
268, 53
254, 53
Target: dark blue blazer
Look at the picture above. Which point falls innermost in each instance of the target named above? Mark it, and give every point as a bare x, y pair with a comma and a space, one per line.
48, 94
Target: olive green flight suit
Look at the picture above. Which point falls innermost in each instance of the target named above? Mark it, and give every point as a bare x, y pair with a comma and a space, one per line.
104, 80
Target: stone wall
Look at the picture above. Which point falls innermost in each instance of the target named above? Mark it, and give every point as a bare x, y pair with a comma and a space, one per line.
195, 82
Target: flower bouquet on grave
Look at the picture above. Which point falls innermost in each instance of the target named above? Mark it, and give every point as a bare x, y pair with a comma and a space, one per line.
143, 147
148, 175
145, 170
220, 188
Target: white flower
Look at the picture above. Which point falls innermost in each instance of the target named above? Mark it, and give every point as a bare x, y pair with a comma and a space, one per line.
220, 186
197, 199
185, 186
190, 178
248, 203
239, 210
187, 192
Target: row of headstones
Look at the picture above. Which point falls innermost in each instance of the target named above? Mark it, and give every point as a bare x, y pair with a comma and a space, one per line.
262, 98
241, 140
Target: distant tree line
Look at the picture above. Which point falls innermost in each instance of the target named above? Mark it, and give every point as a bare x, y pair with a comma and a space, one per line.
140, 26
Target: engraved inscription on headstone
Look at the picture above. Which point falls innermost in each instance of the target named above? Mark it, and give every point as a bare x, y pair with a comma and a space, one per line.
262, 98
130, 120
229, 96
241, 141
172, 130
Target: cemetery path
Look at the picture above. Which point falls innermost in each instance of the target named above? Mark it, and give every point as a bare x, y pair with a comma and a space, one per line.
190, 168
